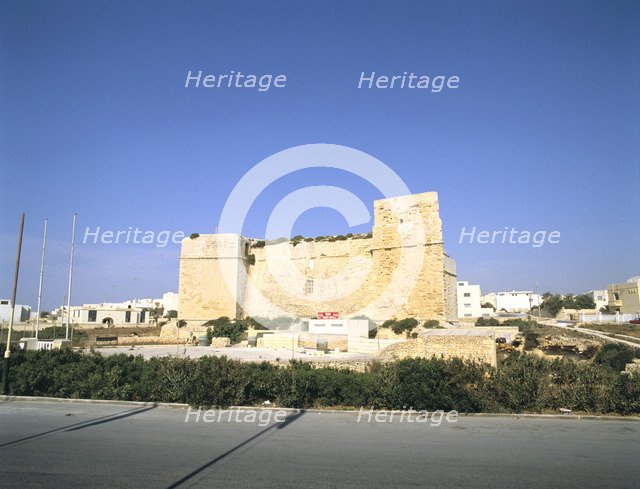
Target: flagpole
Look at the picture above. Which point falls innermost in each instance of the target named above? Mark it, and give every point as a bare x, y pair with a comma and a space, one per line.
44, 245
7, 352
73, 240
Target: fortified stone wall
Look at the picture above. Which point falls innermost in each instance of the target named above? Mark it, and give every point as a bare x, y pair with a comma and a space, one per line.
401, 271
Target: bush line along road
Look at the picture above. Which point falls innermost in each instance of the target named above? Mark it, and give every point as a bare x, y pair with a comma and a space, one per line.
523, 383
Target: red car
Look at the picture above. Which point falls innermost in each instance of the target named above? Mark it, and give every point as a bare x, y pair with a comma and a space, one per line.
635, 321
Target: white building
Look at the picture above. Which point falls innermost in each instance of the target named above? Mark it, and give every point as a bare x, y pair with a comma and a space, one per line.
469, 301
625, 297
20, 314
358, 328
513, 300
169, 302
108, 316
600, 297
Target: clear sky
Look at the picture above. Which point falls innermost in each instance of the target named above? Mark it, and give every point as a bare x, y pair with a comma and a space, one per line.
542, 133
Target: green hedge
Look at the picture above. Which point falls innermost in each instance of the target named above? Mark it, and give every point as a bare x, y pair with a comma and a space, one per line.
522, 383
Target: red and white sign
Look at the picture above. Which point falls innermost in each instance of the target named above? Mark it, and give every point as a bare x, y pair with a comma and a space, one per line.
328, 315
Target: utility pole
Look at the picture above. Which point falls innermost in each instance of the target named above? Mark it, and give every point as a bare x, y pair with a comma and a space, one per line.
44, 245
73, 240
539, 301
7, 352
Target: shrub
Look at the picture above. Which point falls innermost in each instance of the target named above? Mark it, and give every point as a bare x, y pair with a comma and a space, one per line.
614, 355
404, 325
388, 323
251, 259
59, 332
225, 328
523, 325
523, 383
258, 244
171, 314
487, 322
194, 235
181, 323
431, 324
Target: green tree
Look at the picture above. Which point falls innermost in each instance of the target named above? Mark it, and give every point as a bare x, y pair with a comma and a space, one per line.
404, 325
553, 303
584, 301
155, 313
223, 327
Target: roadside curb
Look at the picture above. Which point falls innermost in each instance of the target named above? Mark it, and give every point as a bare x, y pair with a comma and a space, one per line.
64, 400
172, 405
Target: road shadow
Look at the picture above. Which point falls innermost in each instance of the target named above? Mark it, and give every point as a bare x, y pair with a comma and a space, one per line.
82, 424
278, 426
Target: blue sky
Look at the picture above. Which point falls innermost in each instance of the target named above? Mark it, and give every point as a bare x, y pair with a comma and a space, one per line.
542, 133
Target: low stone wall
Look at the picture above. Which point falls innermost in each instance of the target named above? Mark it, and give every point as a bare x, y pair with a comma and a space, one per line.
160, 340
304, 340
277, 341
370, 346
220, 342
146, 340
413, 348
334, 342
172, 331
479, 348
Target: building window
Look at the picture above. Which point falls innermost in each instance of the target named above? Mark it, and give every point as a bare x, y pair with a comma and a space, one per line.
467, 294
93, 315
142, 316
127, 317
308, 288
467, 305
616, 296
467, 315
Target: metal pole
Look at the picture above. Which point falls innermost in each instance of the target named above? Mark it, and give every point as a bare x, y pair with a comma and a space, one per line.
73, 240
7, 352
44, 245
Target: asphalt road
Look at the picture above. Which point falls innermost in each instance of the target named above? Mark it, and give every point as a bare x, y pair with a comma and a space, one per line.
49, 444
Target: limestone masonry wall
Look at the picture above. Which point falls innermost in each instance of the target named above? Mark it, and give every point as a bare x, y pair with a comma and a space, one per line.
401, 271
477, 348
